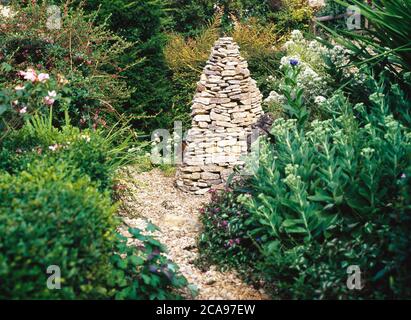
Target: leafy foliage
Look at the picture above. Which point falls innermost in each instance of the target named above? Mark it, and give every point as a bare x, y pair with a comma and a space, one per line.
94, 153
225, 236
292, 14
144, 273
327, 196
62, 178
141, 23
387, 42
50, 218
86, 55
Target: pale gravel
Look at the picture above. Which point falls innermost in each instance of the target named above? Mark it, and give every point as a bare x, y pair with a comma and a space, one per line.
152, 197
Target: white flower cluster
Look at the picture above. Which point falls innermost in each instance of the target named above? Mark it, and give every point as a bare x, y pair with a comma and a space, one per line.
340, 57
6, 12
310, 80
309, 55
312, 57
310, 52
319, 99
275, 97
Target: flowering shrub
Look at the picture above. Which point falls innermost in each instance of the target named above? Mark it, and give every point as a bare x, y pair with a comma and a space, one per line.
80, 55
311, 77
321, 69
33, 92
319, 187
225, 240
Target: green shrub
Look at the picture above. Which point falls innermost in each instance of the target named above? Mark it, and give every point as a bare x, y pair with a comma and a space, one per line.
78, 166
333, 183
86, 57
140, 22
188, 17
292, 14
225, 238
49, 218
96, 154
323, 197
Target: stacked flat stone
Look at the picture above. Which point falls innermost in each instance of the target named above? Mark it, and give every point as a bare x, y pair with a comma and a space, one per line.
226, 104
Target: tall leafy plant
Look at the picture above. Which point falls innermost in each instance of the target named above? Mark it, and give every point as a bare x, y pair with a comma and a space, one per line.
387, 42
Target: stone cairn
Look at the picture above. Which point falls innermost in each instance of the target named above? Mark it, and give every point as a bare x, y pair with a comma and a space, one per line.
226, 104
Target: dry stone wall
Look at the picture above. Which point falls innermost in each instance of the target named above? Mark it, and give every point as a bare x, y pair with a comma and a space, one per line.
227, 103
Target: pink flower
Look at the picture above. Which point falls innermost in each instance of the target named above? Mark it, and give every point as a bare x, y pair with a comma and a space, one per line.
49, 100
43, 77
23, 110
30, 74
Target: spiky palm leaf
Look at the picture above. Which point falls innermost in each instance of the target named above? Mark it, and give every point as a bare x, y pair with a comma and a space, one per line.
389, 35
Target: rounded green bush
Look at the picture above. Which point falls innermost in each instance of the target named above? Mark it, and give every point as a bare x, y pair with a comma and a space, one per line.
49, 218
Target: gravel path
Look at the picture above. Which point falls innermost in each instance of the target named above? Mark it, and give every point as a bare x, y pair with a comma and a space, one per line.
150, 196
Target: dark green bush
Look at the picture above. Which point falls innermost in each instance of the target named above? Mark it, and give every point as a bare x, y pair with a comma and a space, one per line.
141, 23
49, 218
